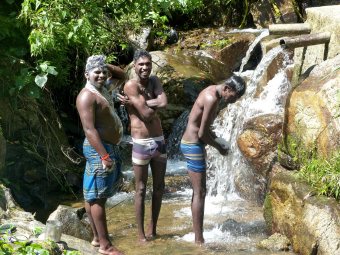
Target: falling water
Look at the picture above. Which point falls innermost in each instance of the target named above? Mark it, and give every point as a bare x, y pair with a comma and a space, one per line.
224, 169
245, 60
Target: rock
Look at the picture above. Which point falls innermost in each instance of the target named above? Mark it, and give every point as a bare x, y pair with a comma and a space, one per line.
34, 153
172, 37
175, 137
143, 40
73, 222
258, 144
313, 111
232, 54
242, 228
6, 199
309, 221
275, 242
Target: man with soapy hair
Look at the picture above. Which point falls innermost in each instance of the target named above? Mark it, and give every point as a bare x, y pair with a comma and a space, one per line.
103, 132
198, 134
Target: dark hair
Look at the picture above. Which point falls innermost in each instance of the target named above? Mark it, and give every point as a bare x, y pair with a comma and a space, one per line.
236, 83
141, 53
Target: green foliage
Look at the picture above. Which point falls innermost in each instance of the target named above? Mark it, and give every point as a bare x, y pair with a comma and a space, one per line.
217, 44
66, 252
99, 26
65, 32
323, 175
18, 76
37, 231
275, 9
294, 147
92, 26
9, 245
268, 211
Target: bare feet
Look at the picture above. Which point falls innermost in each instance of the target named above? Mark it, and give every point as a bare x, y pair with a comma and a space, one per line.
151, 234
199, 242
110, 251
95, 243
142, 239
151, 237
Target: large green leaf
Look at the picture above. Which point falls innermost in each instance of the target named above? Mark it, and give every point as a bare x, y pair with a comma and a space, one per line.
41, 80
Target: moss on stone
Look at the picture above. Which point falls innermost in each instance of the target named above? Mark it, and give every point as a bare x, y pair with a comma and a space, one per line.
268, 211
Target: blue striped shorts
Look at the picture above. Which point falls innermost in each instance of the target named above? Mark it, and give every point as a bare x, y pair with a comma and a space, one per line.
194, 154
99, 183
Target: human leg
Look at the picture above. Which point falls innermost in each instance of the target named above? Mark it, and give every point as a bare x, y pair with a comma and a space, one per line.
95, 240
158, 168
198, 181
141, 176
98, 214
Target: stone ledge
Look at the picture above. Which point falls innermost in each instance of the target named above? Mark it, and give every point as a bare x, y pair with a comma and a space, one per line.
311, 222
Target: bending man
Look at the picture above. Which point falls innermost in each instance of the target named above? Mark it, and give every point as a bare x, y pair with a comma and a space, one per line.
198, 134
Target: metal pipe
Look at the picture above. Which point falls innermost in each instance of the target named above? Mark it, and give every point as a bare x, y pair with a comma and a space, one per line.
305, 40
289, 29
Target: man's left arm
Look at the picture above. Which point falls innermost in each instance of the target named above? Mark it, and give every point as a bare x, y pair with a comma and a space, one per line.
160, 101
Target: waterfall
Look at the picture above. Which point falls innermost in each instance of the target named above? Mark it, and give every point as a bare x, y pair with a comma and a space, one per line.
245, 60
223, 170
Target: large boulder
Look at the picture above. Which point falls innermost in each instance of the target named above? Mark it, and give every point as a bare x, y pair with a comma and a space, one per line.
74, 222
233, 53
310, 222
258, 143
313, 110
142, 39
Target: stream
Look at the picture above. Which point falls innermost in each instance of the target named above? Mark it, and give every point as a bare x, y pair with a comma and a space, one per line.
231, 226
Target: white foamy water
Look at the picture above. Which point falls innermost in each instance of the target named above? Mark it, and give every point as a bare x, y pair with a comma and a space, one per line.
217, 235
252, 46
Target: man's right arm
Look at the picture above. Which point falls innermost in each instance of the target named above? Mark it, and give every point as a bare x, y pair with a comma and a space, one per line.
137, 101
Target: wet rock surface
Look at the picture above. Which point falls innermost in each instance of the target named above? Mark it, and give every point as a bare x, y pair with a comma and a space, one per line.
309, 221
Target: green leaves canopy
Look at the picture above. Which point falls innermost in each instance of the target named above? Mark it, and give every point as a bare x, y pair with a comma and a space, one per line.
95, 26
